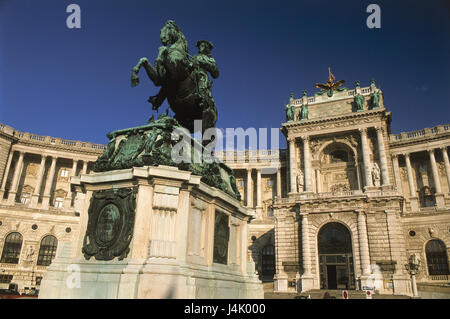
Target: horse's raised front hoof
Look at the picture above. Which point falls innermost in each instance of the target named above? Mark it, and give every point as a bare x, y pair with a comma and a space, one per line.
134, 82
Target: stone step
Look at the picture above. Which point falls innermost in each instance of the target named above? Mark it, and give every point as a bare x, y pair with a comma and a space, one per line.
268, 286
335, 294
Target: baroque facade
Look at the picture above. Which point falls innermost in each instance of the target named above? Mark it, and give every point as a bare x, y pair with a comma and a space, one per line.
344, 206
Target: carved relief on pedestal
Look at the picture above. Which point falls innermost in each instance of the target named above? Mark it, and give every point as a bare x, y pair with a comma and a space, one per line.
110, 224
221, 238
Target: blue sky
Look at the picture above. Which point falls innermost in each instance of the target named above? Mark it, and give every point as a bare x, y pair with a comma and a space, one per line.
75, 83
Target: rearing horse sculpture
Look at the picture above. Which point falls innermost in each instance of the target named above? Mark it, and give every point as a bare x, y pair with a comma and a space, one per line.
179, 78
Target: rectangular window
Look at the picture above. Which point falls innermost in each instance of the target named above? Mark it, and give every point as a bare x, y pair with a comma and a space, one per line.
59, 202
64, 172
269, 183
5, 279
25, 199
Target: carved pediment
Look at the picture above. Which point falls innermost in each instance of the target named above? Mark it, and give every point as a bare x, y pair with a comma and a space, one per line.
60, 193
27, 189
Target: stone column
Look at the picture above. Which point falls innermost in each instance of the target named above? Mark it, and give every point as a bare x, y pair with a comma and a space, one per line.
48, 186
279, 182
318, 186
5, 176
258, 188
16, 177
292, 166
358, 175
307, 278
447, 165
40, 177
306, 246
68, 199
85, 165
440, 201
397, 176
412, 187
363, 244
307, 164
288, 182
366, 158
249, 187
437, 182
383, 161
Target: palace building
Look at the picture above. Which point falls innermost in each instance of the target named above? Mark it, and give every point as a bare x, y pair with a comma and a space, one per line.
344, 207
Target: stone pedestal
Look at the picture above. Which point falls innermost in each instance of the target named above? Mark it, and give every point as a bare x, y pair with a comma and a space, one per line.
307, 282
188, 240
402, 284
281, 283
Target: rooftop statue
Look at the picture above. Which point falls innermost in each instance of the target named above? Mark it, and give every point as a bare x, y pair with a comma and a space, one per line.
184, 80
375, 99
290, 112
304, 112
359, 100
330, 86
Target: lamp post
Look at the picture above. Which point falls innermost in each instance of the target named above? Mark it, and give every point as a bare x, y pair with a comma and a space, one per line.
413, 268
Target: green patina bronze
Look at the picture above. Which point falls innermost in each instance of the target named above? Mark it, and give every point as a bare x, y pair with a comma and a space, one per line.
186, 85
359, 101
152, 144
183, 79
290, 112
375, 99
290, 109
304, 112
110, 224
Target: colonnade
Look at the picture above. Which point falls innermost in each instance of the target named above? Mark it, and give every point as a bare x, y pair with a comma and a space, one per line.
46, 195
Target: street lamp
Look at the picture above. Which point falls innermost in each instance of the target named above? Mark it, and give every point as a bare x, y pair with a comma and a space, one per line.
413, 268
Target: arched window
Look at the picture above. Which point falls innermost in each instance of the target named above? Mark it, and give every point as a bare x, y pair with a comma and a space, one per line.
338, 156
334, 238
12, 248
436, 258
47, 251
268, 260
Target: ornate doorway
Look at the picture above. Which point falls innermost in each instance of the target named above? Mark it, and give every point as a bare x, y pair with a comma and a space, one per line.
335, 257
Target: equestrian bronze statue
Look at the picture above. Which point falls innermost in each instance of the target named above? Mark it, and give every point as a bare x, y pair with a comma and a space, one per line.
183, 79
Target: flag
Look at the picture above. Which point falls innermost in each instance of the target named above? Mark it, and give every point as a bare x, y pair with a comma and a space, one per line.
331, 74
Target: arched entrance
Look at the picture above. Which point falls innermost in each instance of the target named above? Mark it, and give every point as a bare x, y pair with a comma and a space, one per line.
335, 257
